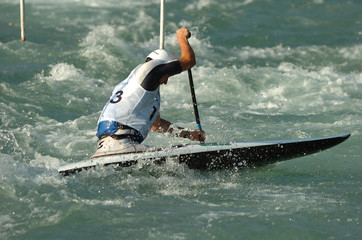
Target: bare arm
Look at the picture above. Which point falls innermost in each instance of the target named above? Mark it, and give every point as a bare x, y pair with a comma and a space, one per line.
166, 127
161, 125
187, 58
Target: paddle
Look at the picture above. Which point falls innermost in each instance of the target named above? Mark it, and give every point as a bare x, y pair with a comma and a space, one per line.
162, 11
194, 102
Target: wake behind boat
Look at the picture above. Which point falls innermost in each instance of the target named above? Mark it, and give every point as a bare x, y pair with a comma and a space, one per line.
213, 156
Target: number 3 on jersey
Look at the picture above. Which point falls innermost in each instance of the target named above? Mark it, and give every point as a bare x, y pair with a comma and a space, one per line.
117, 98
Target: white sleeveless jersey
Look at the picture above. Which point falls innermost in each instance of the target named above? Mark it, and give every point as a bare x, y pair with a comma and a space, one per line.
132, 105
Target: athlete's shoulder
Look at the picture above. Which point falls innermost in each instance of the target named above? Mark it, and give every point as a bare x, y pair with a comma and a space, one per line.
153, 63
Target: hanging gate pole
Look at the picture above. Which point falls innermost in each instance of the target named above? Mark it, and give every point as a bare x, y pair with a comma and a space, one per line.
22, 19
162, 13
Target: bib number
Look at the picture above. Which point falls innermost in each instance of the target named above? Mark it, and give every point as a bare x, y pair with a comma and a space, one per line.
118, 97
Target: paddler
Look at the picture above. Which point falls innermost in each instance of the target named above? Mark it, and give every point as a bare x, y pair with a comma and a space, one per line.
133, 108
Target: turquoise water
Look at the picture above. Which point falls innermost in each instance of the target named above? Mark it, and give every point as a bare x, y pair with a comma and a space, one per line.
266, 69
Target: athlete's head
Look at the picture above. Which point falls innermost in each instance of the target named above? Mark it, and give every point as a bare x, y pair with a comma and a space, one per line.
161, 54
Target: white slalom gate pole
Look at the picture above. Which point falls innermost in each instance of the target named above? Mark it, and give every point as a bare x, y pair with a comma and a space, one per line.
22, 20
162, 13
